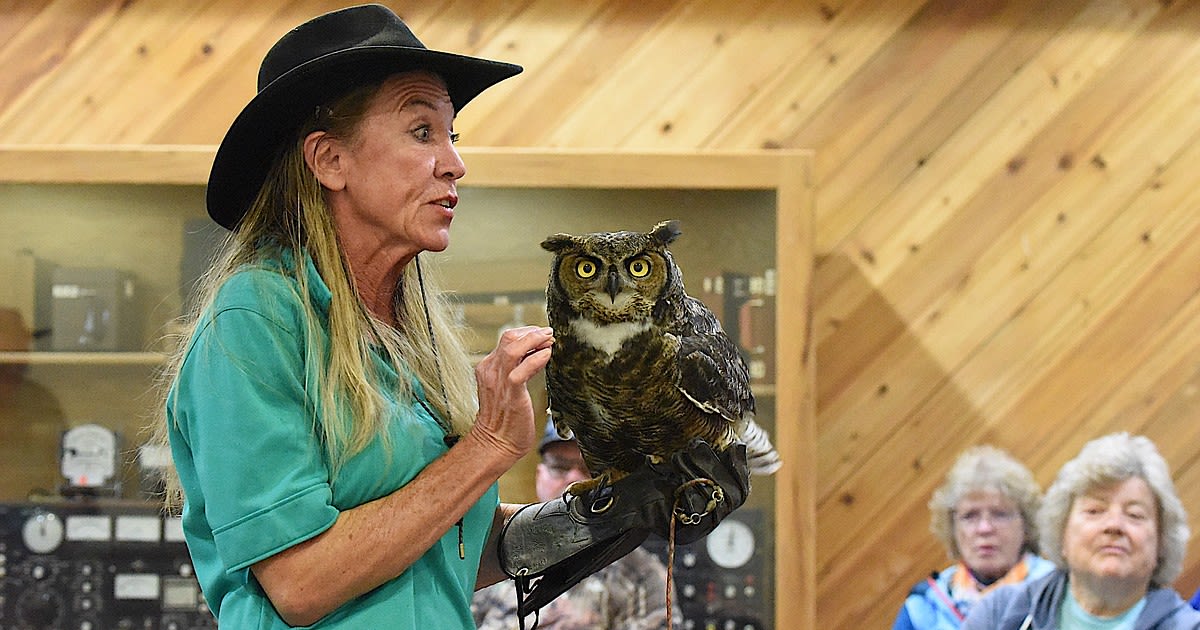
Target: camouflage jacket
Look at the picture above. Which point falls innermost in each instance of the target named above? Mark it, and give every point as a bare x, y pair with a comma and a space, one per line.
629, 594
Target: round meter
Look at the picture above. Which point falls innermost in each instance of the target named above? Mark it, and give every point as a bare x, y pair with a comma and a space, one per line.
731, 544
42, 532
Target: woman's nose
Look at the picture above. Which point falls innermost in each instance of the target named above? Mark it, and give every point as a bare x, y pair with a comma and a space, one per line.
1113, 521
451, 164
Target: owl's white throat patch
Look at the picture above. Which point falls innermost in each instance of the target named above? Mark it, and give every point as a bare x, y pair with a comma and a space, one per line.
607, 337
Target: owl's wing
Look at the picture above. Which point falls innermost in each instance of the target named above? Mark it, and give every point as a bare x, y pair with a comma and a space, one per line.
712, 371
714, 376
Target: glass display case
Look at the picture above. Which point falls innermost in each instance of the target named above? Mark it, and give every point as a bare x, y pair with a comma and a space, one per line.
100, 244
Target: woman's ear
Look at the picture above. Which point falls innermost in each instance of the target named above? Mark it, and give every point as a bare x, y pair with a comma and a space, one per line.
322, 153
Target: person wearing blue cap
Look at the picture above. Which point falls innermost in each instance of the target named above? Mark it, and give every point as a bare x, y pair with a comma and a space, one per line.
629, 594
334, 453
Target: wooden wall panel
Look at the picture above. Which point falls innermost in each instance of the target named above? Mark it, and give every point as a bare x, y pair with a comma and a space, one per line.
1006, 218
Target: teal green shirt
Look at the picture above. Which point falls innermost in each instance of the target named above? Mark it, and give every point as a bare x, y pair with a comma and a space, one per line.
1074, 617
256, 480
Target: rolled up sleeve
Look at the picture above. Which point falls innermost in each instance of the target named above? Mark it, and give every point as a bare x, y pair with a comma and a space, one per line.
249, 424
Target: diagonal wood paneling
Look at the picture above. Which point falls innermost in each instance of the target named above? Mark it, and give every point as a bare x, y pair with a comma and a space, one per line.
1006, 211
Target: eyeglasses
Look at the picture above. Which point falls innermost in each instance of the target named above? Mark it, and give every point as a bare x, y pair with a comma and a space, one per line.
973, 518
561, 468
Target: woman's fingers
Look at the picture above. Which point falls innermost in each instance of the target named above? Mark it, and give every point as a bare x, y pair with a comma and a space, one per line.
520, 354
505, 408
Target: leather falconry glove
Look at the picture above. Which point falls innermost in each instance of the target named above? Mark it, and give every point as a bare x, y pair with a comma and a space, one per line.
549, 547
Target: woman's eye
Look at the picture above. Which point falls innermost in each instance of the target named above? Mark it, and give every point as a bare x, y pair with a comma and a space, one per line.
422, 133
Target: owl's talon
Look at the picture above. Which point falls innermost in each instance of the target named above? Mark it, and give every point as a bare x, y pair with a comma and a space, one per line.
579, 488
584, 486
599, 501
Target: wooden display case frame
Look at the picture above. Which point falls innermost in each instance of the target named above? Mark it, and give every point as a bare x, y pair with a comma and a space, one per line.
787, 173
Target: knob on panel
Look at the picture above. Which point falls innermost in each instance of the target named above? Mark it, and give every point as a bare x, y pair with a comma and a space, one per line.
39, 608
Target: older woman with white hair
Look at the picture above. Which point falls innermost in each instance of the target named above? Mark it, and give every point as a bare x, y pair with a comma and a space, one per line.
1117, 530
984, 513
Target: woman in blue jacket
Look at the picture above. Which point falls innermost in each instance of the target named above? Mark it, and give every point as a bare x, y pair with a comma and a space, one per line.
984, 513
1117, 530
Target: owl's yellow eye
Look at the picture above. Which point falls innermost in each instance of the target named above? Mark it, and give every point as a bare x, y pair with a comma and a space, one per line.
585, 269
639, 267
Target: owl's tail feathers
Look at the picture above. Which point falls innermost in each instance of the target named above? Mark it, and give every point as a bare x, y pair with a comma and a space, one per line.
761, 456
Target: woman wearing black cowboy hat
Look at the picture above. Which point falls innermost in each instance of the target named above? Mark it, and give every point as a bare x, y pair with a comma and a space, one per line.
335, 456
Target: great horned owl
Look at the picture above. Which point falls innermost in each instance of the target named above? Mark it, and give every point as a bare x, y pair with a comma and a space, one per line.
639, 367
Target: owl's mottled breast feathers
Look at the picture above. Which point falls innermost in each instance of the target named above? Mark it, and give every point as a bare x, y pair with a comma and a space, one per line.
639, 367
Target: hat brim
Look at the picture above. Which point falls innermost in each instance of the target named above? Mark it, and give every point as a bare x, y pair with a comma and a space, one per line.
272, 117
551, 436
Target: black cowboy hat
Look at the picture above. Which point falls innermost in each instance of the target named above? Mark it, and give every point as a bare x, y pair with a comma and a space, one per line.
310, 66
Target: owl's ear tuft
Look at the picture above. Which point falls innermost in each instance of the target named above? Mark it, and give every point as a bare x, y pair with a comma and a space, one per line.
557, 242
666, 231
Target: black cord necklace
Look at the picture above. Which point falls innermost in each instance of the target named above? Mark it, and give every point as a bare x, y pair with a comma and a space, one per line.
450, 438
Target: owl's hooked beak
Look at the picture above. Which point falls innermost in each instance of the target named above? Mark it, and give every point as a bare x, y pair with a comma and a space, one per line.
613, 285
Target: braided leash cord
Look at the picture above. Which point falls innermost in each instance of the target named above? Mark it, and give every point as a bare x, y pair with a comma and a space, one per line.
670, 569
677, 514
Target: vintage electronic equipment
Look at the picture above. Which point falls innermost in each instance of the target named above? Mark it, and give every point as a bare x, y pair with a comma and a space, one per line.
96, 565
93, 310
152, 460
25, 283
722, 581
90, 460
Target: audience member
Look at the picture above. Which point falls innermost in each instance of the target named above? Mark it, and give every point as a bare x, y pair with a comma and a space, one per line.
1117, 530
984, 513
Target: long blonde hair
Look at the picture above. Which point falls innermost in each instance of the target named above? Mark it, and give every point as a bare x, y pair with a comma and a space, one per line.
290, 215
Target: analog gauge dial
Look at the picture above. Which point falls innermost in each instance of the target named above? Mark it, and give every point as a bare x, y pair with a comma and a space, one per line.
89, 456
731, 544
42, 532
90, 527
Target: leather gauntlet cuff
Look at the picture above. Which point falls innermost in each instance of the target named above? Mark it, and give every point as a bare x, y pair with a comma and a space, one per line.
549, 547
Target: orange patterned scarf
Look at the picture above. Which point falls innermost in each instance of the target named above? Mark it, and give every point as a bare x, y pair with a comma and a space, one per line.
964, 588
